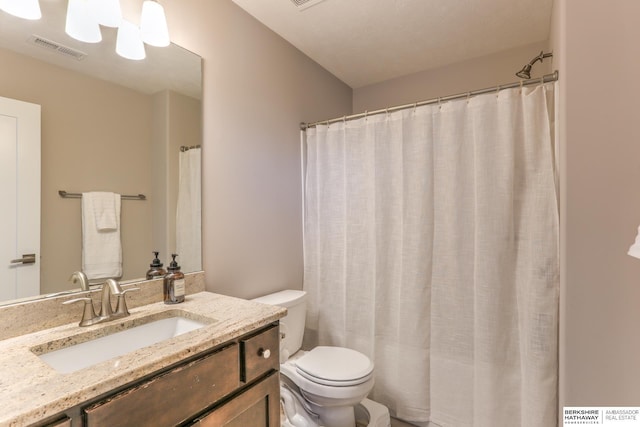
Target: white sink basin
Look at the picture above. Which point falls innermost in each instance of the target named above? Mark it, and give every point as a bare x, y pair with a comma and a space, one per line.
78, 356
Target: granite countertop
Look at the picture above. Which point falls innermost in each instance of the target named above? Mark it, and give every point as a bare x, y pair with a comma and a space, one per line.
30, 390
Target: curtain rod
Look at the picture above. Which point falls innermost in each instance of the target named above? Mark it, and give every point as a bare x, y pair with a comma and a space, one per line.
66, 195
544, 79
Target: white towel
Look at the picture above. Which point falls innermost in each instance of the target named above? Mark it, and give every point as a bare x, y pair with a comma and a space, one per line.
104, 209
101, 248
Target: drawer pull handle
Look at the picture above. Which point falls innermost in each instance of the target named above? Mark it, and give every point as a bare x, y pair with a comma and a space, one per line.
264, 353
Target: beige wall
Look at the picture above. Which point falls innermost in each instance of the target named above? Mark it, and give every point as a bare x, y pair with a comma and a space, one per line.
257, 88
478, 73
95, 137
599, 67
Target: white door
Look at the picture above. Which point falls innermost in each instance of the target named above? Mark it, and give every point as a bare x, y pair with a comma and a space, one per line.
20, 212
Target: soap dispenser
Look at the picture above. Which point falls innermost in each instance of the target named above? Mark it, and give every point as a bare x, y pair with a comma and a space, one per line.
156, 271
174, 286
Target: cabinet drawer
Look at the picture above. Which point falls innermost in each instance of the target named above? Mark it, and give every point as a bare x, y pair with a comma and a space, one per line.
259, 406
259, 354
172, 397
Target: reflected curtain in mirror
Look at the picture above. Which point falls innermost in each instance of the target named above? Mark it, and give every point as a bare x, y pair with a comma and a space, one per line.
188, 219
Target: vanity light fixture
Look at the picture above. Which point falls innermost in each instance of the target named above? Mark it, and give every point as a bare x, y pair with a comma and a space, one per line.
153, 24
128, 42
82, 22
108, 12
84, 18
26, 9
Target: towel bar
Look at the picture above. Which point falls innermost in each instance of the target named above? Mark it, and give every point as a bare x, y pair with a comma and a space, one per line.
63, 193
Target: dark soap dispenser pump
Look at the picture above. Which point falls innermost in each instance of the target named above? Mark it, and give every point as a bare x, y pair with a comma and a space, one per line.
156, 271
174, 286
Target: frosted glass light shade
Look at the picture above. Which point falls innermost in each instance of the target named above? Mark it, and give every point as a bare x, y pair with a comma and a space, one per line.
128, 42
82, 23
153, 24
108, 12
26, 9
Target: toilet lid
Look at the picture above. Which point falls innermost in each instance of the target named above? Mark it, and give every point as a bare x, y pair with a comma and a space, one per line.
337, 366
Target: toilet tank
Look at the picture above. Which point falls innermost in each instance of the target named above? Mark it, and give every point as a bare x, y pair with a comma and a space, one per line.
291, 325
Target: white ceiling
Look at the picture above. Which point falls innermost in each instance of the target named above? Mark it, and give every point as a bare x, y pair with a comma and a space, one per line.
368, 41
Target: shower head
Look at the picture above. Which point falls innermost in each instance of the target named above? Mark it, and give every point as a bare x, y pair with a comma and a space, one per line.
525, 73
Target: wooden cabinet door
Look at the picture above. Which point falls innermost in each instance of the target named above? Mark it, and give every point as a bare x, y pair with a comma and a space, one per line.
258, 406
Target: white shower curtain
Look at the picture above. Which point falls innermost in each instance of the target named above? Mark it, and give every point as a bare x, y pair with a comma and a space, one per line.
188, 217
431, 245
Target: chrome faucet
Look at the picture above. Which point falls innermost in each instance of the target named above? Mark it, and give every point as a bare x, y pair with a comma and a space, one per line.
112, 287
109, 288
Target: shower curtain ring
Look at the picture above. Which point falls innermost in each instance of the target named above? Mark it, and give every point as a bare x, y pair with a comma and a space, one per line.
497, 91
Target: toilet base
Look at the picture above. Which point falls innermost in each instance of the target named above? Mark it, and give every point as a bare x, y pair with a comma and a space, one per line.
339, 416
367, 414
372, 414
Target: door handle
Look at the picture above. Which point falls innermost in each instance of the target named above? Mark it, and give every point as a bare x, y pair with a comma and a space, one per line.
26, 259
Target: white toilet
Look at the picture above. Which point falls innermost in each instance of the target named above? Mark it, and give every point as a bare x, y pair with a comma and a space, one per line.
321, 387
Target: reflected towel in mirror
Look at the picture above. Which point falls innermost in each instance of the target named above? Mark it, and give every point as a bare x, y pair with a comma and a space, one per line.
101, 245
104, 208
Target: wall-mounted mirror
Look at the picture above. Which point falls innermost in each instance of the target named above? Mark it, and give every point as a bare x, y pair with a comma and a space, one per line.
107, 124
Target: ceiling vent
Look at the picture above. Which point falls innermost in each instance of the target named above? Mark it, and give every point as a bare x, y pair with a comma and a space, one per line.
59, 48
305, 4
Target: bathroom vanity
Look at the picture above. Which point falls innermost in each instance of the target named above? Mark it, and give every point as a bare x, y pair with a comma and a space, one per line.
224, 373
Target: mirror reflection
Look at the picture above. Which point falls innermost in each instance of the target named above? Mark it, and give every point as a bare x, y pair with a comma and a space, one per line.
108, 124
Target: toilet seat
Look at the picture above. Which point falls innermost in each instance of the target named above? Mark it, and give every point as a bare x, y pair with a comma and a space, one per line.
335, 366
336, 395
331, 383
